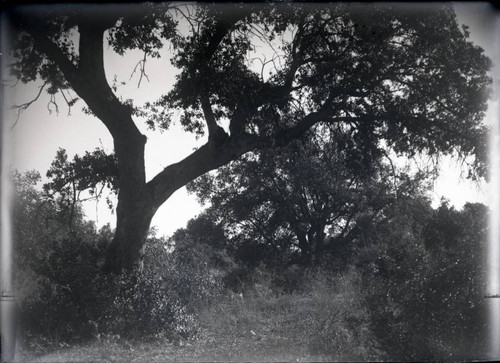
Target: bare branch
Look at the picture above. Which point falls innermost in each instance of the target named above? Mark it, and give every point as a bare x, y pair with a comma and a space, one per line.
24, 106
70, 103
142, 66
52, 101
188, 17
261, 35
264, 62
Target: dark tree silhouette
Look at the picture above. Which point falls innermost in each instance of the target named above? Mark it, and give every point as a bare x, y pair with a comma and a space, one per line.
304, 197
405, 76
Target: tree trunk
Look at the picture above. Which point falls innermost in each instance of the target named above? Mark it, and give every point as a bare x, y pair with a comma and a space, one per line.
319, 239
305, 248
127, 247
135, 208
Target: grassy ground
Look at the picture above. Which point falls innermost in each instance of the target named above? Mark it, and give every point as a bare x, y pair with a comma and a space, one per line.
241, 349
323, 322
257, 328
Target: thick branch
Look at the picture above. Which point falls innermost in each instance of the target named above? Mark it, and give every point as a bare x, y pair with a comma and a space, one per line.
53, 52
209, 157
88, 78
93, 87
223, 26
215, 132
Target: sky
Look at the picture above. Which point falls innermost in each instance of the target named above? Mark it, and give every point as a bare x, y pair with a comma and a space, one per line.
40, 130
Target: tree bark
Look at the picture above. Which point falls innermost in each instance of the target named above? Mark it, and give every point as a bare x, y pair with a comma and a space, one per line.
134, 215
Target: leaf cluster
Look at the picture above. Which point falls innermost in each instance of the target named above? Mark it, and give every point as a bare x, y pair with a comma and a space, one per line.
91, 172
145, 28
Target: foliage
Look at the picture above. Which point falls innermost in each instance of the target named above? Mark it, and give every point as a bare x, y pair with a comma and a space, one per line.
457, 288
404, 293
307, 134
385, 69
93, 172
421, 288
428, 303
305, 202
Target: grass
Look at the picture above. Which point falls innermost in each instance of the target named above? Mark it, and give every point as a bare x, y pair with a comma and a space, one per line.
242, 348
258, 325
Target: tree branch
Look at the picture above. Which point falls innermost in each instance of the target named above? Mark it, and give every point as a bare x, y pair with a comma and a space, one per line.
215, 132
142, 70
208, 157
88, 80
53, 52
223, 26
24, 106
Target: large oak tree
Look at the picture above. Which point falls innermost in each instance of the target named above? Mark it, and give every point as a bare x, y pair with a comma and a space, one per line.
404, 77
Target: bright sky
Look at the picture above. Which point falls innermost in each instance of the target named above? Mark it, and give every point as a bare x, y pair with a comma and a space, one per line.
41, 131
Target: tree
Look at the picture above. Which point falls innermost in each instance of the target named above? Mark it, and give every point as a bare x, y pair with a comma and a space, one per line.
300, 200
405, 76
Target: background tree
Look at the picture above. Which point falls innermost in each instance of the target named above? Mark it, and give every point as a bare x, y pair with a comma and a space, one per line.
304, 201
405, 76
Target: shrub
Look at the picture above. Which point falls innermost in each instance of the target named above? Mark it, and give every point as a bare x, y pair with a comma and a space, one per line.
426, 299
64, 296
140, 306
70, 299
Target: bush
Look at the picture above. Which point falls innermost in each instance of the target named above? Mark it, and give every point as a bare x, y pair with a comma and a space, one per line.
426, 294
57, 290
140, 307
393, 279
66, 298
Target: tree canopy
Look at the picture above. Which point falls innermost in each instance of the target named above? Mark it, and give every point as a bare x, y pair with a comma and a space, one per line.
399, 77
